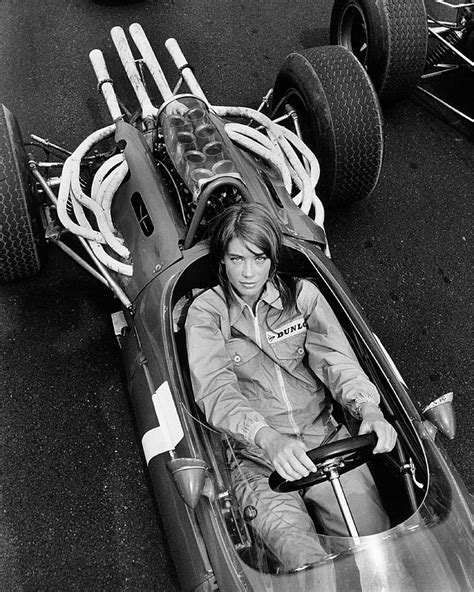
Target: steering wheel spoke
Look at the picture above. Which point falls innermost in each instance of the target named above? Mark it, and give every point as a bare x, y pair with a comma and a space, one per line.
331, 460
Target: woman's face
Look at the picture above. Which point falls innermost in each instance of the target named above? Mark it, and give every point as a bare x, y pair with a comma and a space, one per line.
247, 269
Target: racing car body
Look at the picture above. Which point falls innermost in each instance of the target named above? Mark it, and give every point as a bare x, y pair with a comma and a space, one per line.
140, 207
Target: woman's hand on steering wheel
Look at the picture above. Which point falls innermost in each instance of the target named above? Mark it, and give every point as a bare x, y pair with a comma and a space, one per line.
287, 455
374, 421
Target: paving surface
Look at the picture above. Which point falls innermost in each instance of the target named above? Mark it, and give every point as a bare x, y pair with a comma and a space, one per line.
78, 513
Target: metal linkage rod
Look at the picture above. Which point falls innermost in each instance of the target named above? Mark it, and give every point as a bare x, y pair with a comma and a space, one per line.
447, 105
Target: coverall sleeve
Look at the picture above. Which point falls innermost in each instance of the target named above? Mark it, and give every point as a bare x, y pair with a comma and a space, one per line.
330, 355
215, 385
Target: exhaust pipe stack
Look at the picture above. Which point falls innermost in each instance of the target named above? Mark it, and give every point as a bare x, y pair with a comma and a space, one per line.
149, 57
283, 149
105, 83
128, 62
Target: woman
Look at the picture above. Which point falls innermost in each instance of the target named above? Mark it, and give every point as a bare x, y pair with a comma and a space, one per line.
261, 348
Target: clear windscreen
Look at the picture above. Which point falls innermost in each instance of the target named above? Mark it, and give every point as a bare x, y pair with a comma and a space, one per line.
427, 550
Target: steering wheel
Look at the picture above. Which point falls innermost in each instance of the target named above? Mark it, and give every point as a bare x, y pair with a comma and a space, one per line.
341, 456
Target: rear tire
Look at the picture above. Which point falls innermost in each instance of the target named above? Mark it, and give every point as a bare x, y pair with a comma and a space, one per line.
388, 37
339, 117
21, 230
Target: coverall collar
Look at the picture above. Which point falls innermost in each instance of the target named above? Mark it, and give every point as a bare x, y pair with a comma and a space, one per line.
270, 296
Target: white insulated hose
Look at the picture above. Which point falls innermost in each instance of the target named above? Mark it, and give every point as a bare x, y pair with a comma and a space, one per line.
103, 173
71, 167
106, 181
261, 145
70, 189
108, 189
285, 140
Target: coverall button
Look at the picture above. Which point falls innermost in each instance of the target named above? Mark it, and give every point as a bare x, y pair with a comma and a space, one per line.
237, 358
301, 350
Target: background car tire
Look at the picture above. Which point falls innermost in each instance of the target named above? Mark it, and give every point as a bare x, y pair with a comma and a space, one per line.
340, 119
389, 37
21, 231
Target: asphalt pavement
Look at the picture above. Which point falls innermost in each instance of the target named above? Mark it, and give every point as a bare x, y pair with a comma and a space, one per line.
78, 513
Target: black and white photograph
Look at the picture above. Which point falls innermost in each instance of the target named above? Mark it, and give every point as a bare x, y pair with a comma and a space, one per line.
236, 295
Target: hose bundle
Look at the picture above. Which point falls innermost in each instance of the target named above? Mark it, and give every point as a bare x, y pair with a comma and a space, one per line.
280, 147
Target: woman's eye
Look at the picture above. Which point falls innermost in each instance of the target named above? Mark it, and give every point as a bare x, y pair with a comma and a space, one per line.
261, 259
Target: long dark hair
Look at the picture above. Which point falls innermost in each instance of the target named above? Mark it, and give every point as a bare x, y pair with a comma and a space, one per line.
252, 224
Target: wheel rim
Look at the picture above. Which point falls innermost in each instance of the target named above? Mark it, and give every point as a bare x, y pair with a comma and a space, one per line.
294, 98
352, 32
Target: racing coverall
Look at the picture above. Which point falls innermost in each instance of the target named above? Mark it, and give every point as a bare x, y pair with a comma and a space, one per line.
269, 369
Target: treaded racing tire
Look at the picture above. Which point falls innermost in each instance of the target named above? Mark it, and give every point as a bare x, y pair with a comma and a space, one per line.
21, 231
340, 119
389, 37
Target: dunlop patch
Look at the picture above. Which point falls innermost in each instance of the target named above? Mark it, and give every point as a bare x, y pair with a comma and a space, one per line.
291, 328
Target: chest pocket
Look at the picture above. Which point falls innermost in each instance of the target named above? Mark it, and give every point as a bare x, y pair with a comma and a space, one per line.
246, 360
291, 348
288, 340
242, 352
